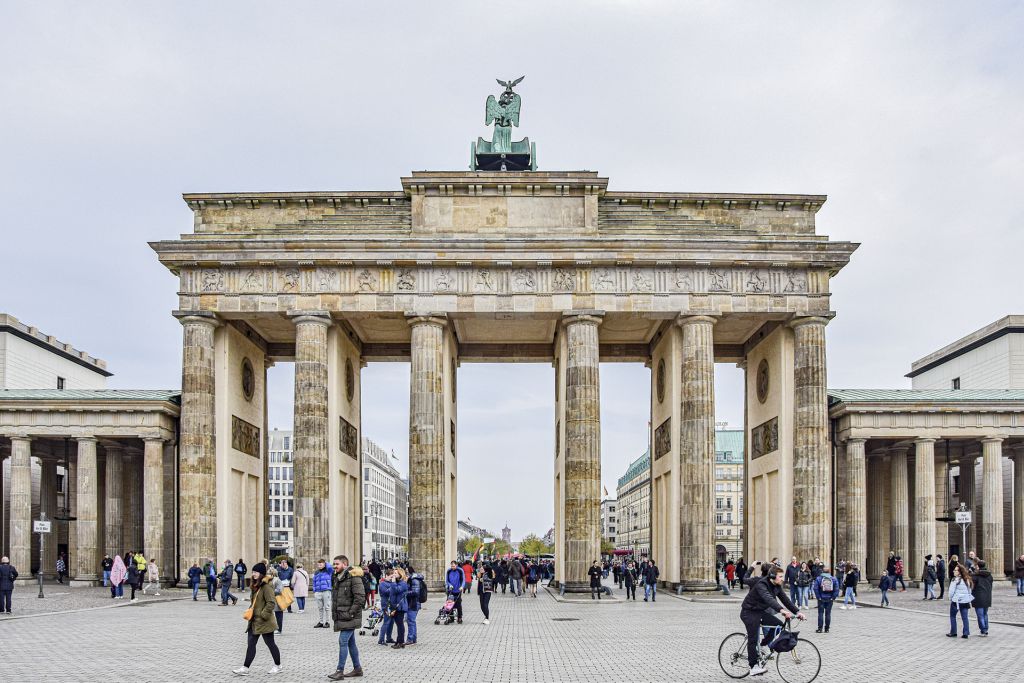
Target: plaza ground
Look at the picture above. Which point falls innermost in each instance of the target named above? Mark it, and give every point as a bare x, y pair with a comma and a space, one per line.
528, 639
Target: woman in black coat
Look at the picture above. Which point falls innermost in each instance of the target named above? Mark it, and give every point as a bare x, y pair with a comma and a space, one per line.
595, 580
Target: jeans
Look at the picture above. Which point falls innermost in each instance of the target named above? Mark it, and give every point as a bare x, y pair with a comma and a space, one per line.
596, 590
211, 589
885, 596
794, 594
850, 597
982, 614
241, 581
116, 591
929, 590
824, 614
385, 629
106, 578
195, 591
225, 593
1020, 586
5, 601
280, 620
302, 603
899, 577
515, 586
964, 610
650, 590
458, 607
347, 647
631, 590
399, 621
410, 622
805, 596
485, 604
323, 602
250, 650
753, 621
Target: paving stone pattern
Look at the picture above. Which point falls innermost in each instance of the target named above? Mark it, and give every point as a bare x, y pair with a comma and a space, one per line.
670, 640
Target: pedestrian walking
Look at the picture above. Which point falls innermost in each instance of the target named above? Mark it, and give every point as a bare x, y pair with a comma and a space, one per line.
262, 623
485, 578
8, 574
322, 593
300, 587
982, 596
651, 574
467, 570
240, 572
134, 580
533, 577
826, 590
928, 577
502, 572
152, 577
850, 587
595, 580
792, 572
617, 574
118, 573
195, 575
741, 571
415, 597
1018, 574
515, 574
280, 599
960, 599
387, 624
629, 578
453, 586
730, 573
370, 585
106, 564
62, 567
347, 600
899, 575
285, 572
225, 584
884, 584
210, 572
804, 578
940, 575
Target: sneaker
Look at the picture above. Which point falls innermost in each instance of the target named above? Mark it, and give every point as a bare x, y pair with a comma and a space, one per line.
134, 600
487, 621
276, 669
234, 601
318, 625
757, 670
301, 611
241, 671
964, 636
826, 630
951, 635
337, 675
157, 594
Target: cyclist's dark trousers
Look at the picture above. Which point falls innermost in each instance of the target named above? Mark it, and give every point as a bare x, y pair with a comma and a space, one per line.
753, 621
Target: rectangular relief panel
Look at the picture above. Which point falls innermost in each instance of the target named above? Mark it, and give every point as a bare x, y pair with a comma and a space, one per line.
348, 438
764, 438
245, 436
663, 438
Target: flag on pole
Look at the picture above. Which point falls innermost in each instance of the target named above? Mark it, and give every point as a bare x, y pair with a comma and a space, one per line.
606, 490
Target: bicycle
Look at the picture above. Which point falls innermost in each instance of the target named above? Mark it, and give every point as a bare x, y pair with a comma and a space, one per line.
800, 665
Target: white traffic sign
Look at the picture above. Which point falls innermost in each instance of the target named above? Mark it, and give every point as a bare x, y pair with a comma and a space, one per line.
40, 527
963, 517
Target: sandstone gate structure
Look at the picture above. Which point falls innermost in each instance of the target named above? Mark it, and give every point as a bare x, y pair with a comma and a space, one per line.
504, 266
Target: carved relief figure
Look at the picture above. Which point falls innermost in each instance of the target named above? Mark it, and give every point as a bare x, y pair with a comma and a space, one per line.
796, 282
252, 281
444, 281
641, 282
291, 280
484, 280
327, 279
683, 280
367, 281
756, 283
565, 280
524, 280
605, 281
406, 279
213, 281
718, 281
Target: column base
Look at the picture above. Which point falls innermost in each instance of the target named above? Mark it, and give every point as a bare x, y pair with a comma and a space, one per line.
698, 586
574, 586
84, 582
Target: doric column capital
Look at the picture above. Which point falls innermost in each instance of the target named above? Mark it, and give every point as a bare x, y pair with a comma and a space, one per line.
924, 440
197, 318
801, 320
898, 450
154, 439
855, 440
86, 439
687, 319
993, 439
435, 319
311, 317
20, 438
588, 317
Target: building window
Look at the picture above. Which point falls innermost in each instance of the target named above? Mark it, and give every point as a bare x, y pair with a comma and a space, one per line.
955, 383
60, 382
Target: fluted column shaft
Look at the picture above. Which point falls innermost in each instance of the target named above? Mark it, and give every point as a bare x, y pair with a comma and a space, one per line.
21, 504
86, 531
426, 447
133, 505
310, 437
942, 501
1018, 502
992, 504
697, 454
811, 458
197, 459
48, 506
924, 504
114, 503
878, 511
582, 502
856, 503
153, 500
899, 515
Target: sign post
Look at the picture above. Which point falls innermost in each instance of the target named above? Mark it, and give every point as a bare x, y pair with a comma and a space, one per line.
963, 518
41, 526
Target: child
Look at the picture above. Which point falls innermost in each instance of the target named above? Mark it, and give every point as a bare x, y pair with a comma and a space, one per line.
884, 585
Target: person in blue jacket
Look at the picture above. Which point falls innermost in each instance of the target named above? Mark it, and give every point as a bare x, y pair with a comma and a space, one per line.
322, 593
194, 576
453, 585
826, 590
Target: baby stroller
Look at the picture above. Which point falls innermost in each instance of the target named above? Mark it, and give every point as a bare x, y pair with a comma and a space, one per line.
372, 619
446, 615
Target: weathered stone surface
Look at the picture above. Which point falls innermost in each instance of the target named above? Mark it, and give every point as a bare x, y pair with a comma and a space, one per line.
582, 504
1018, 501
153, 500
87, 532
856, 503
924, 505
21, 504
878, 513
697, 454
992, 501
48, 505
114, 503
899, 512
811, 457
310, 437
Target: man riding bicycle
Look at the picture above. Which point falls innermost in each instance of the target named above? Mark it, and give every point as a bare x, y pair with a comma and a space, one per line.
760, 607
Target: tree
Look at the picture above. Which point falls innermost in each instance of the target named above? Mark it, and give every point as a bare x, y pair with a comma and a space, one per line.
607, 547
533, 546
468, 546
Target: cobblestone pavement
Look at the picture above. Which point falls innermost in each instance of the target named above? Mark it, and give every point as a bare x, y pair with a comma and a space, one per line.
670, 640
25, 600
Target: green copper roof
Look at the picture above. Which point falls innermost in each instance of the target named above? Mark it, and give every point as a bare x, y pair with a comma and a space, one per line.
641, 464
919, 396
729, 445
90, 395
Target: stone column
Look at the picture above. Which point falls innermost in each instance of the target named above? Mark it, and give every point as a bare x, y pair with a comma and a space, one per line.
197, 460
878, 511
48, 506
114, 504
169, 566
131, 463
582, 448
811, 457
899, 515
21, 505
309, 441
426, 448
856, 503
924, 504
153, 500
86, 531
992, 504
1018, 501
942, 501
697, 454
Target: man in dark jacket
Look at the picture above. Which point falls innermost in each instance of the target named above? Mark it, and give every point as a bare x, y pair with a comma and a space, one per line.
792, 572
651, 575
241, 570
453, 582
760, 607
7, 576
940, 574
347, 600
595, 574
982, 595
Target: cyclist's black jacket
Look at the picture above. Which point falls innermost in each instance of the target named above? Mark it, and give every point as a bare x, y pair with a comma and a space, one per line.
764, 597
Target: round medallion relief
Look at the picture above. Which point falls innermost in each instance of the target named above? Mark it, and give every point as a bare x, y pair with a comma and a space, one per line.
248, 379
350, 380
661, 381
762, 380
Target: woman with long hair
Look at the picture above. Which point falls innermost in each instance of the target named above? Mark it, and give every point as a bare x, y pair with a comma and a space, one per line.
960, 599
261, 620
485, 578
278, 586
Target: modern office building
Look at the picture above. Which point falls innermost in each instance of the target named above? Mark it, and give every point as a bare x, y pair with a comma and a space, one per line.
633, 496
729, 482
281, 494
609, 519
385, 506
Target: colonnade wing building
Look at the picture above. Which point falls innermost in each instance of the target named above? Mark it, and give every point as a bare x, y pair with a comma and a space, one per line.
547, 267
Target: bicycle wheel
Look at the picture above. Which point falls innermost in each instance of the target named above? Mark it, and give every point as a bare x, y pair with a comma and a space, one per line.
732, 655
799, 665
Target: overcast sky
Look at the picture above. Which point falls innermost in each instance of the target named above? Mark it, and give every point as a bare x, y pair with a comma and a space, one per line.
908, 115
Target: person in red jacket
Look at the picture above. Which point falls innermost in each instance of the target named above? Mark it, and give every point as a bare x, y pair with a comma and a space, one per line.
467, 571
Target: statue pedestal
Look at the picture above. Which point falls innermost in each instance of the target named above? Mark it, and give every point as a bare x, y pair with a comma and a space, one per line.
521, 157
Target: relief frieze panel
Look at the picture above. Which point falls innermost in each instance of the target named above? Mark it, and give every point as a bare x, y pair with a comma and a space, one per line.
245, 436
764, 438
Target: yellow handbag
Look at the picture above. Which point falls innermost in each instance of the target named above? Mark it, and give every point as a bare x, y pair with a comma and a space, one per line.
247, 614
286, 598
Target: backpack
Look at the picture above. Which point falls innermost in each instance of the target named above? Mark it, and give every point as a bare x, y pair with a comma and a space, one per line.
827, 586
421, 592
784, 642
